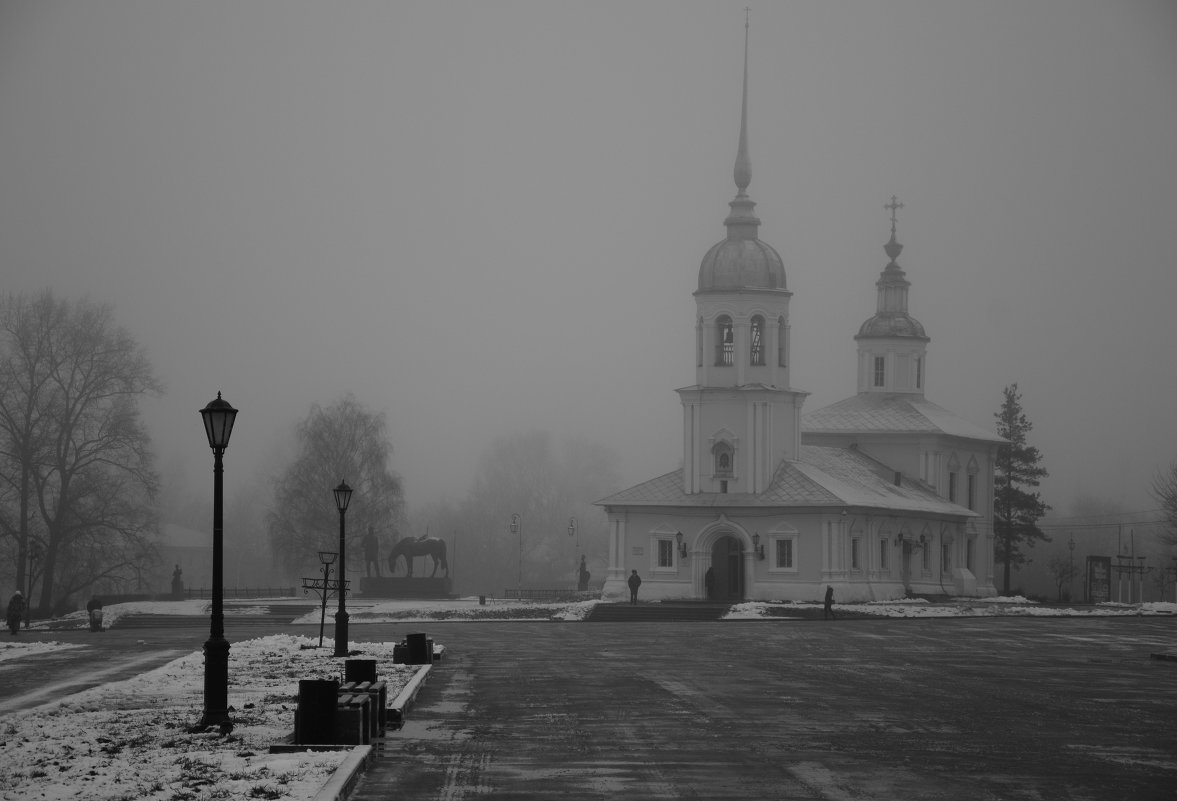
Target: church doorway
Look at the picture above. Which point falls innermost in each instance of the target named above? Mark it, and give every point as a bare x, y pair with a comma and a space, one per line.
727, 567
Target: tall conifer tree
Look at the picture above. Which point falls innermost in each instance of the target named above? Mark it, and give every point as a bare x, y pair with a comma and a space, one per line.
1017, 507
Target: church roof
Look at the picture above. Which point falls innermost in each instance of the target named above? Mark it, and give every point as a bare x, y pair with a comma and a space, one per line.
890, 413
823, 477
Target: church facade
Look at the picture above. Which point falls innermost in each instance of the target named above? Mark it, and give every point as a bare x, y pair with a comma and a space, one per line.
881, 495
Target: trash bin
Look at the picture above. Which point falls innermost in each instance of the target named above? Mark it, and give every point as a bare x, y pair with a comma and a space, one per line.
482, 600
420, 649
95, 620
314, 720
359, 670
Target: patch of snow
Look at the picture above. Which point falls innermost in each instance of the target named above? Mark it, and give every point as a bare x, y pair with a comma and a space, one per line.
131, 740
15, 650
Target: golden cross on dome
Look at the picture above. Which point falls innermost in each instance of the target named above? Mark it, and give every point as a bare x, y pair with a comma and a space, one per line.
893, 206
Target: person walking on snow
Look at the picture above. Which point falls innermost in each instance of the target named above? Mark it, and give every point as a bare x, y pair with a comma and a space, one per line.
16, 610
635, 581
828, 612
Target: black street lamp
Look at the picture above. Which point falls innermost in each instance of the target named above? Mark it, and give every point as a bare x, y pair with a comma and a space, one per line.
342, 499
517, 528
218, 425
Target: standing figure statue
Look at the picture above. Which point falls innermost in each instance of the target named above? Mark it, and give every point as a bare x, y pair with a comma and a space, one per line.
409, 548
582, 576
371, 553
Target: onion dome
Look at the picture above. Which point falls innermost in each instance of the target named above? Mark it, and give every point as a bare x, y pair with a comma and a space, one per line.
891, 318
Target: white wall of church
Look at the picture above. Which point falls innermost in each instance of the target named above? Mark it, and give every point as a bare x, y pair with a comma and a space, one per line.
773, 557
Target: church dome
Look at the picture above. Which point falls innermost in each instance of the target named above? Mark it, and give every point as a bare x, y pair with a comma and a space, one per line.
892, 324
740, 263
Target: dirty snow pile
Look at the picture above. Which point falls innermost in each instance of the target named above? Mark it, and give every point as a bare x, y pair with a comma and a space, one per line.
494, 609
131, 740
961, 607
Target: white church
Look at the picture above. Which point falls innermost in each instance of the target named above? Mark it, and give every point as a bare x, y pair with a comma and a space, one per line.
881, 495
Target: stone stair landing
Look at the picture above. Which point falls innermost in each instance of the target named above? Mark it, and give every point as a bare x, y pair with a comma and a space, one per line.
656, 612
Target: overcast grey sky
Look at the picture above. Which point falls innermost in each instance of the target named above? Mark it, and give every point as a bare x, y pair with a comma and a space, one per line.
483, 217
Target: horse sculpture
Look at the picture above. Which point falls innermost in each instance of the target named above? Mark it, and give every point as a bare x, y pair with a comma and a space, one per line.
409, 548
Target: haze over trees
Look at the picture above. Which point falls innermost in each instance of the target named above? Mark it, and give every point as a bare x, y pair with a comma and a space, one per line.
77, 475
1017, 506
341, 442
546, 484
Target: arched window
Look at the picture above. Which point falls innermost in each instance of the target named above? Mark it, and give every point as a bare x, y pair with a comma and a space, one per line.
724, 341
724, 458
756, 344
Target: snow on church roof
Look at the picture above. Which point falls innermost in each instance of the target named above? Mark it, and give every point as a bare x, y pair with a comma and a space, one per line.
886, 413
822, 477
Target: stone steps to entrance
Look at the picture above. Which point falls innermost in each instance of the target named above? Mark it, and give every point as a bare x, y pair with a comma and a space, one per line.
624, 612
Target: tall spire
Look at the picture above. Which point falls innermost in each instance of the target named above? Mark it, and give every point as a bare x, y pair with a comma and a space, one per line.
743, 169
742, 222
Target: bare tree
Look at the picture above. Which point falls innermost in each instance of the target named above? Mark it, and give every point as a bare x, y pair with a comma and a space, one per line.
77, 461
1063, 571
342, 442
1164, 489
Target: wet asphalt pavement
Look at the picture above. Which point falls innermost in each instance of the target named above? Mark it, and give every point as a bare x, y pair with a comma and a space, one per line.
989, 708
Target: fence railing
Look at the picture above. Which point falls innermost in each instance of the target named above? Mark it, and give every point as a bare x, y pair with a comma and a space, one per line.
550, 593
204, 593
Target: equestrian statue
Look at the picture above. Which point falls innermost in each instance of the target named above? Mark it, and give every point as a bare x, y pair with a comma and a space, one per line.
426, 546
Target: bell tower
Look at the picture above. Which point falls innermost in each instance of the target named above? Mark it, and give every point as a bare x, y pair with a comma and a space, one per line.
740, 418
892, 345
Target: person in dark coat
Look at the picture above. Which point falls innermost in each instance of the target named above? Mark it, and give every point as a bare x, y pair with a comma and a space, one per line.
828, 612
371, 552
635, 581
16, 610
94, 609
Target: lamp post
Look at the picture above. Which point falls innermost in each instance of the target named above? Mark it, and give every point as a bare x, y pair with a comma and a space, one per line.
572, 531
342, 499
517, 528
218, 418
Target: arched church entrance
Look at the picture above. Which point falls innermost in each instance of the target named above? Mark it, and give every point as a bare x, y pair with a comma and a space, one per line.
727, 568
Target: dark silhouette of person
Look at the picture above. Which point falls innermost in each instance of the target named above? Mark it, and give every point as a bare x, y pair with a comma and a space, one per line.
635, 581
828, 612
582, 576
16, 610
94, 610
177, 581
371, 552
709, 582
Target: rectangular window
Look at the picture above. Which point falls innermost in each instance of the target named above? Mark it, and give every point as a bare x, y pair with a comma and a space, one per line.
723, 487
880, 371
925, 557
946, 555
784, 554
973, 491
855, 554
968, 554
919, 372
665, 553
882, 554
952, 487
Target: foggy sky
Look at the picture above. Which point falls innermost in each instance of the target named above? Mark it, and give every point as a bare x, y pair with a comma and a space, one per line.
485, 217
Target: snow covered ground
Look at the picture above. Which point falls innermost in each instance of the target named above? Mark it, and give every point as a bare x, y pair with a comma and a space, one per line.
130, 740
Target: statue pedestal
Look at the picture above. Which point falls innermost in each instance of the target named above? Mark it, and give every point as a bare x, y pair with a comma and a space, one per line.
403, 587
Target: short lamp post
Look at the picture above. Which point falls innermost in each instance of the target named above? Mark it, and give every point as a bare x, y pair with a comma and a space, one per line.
218, 425
682, 546
326, 558
517, 528
342, 499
